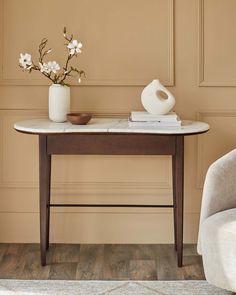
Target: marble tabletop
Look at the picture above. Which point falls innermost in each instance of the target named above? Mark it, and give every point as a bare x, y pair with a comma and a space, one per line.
104, 125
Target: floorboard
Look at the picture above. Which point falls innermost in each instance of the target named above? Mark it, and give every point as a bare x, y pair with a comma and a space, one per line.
99, 262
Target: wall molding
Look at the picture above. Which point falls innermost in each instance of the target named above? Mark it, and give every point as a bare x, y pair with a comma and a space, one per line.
202, 82
1, 40
87, 186
91, 82
200, 141
201, 43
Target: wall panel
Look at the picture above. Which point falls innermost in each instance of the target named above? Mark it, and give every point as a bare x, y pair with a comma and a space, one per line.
126, 42
217, 58
210, 146
100, 228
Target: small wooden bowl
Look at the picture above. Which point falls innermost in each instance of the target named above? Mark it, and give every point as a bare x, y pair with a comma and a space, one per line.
79, 118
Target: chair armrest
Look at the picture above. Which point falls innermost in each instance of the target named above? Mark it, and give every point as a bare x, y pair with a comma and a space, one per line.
219, 192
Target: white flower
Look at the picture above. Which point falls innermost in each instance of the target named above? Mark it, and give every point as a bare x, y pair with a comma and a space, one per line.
79, 80
53, 66
49, 67
25, 60
75, 47
44, 68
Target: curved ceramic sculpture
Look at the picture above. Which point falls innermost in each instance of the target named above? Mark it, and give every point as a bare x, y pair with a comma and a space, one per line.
153, 102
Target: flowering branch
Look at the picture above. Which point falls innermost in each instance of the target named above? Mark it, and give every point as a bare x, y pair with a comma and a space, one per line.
51, 68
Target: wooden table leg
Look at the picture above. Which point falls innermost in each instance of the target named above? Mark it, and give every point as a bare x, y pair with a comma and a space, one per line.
48, 200
179, 191
44, 194
174, 200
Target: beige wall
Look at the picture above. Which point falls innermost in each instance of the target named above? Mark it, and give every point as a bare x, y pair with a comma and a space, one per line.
189, 44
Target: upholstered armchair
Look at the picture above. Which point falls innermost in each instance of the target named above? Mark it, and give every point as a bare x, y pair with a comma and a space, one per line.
217, 232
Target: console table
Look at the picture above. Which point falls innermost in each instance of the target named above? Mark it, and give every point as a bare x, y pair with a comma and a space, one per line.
109, 137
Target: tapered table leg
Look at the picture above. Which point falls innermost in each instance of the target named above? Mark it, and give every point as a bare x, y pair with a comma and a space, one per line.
174, 200
44, 194
48, 203
179, 193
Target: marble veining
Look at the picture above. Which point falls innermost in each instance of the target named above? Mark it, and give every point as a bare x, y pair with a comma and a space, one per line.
41, 126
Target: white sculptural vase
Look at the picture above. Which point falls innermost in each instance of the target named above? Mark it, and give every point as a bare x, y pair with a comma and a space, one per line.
59, 102
152, 100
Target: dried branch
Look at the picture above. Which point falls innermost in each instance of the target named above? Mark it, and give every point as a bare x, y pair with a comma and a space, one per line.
67, 70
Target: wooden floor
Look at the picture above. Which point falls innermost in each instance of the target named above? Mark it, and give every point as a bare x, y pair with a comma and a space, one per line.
99, 262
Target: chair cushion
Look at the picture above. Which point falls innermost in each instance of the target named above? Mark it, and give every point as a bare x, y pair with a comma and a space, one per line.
218, 238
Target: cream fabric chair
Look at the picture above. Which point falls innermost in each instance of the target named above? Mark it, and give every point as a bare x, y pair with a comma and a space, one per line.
217, 232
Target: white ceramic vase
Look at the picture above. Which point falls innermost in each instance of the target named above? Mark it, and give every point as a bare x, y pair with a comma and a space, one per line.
59, 102
153, 102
